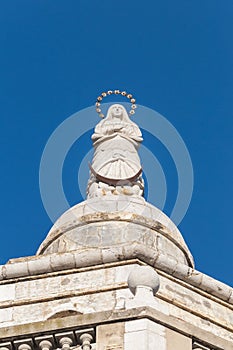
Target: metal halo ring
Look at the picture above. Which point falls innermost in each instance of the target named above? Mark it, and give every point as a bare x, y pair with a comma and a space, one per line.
115, 92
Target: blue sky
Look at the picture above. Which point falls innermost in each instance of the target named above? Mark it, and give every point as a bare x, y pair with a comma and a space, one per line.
175, 56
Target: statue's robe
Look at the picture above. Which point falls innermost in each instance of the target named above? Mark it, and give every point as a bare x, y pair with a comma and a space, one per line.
116, 157
116, 167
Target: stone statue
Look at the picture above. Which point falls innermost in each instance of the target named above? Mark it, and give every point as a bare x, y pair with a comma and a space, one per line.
116, 167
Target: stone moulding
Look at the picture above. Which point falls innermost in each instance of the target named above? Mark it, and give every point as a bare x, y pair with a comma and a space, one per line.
41, 265
103, 317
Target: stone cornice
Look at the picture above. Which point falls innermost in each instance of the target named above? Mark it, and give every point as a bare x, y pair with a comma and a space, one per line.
97, 318
42, 265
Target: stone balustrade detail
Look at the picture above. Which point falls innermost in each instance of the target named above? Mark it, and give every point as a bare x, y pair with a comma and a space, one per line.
83, 339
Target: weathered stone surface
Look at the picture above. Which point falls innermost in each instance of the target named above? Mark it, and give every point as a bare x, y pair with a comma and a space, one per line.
110, 336
104, 287
79, 276
6, 316
114, 233
7, 292
143, 276
177, 341
90, 257
146, 334
110, 222
187, 329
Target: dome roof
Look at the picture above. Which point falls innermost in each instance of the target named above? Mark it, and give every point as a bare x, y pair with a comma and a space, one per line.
113, 221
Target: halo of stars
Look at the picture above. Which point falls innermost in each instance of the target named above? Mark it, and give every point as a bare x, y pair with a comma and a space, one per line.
114, 92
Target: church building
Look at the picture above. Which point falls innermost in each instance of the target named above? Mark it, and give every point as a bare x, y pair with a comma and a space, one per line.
114, 272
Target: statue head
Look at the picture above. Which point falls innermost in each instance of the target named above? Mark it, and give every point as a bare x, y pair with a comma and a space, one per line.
117, 111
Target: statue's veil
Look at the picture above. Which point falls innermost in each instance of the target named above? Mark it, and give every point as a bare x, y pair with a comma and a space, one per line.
125, 117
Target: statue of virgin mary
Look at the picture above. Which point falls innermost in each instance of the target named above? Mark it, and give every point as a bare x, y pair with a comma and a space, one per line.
116, 162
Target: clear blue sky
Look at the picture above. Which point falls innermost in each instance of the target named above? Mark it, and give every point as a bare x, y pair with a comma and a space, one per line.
175, 56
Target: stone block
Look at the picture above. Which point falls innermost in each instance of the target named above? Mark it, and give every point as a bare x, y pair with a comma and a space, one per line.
6, 315
169, 262
100, 205
209, 284
13, 270
7, 292
112, 254
62, 261
70, 216
144, 335
39, 265
87, 257
177, 341
110, 336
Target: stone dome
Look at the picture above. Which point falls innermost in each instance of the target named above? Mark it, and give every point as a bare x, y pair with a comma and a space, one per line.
117, 221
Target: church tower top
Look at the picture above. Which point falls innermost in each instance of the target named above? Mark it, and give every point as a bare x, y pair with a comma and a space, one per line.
114, 271
115, 215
